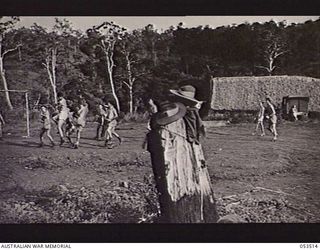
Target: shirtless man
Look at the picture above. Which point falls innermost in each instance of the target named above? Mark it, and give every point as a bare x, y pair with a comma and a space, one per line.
272, 117
101, 119
78, 123
260, 120
61, 117
46, 125
110, 123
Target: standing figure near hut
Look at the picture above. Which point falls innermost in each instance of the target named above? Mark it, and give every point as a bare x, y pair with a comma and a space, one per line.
78, 122
2, 122
110, 124
272, 117
61, 116
179, 166
46, 125
260, 119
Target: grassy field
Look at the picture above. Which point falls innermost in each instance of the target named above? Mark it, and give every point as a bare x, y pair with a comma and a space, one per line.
253, 177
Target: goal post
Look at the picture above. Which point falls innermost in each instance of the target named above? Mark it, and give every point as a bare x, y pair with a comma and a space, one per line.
26, 94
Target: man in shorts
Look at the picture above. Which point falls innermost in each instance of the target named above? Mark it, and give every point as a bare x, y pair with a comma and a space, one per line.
61, 117
260, 119
110, 123
78, 122
46, 125
272, 117
102, 112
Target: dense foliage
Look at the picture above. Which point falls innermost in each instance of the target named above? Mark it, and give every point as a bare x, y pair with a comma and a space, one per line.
147, 63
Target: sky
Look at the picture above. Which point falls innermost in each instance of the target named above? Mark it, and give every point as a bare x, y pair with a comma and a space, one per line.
161, 23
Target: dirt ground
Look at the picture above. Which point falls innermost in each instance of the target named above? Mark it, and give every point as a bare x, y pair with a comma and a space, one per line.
253, 177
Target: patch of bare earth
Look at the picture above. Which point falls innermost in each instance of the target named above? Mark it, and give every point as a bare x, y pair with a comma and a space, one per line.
253, 177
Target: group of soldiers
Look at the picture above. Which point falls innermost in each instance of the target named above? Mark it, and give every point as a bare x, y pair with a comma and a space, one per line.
70, 117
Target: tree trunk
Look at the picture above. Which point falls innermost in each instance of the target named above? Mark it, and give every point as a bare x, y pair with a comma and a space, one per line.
54, 82
5, 87
113, 88
130, 82
4, 80
182, 179
55, 96
154, 54
130, 100
110, 64
51, 70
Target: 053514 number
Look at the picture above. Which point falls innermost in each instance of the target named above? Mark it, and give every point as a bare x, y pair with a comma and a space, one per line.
309, 245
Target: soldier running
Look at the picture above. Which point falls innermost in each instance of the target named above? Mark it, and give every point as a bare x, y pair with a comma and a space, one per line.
102, 112
260, 119
61, 117
77, 123
272, 117
46, 125
110, 123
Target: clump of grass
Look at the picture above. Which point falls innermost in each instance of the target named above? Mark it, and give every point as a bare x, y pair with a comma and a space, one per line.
135, 117
67, 204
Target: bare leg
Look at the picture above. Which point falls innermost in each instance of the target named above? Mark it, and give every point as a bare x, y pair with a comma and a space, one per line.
99, 132
108, 136
274, 131
118, 137
60, 124
104, 130
69, 132
100, 129
256, 129
41, 137
270, 126
50, 137
262, 128
78, 133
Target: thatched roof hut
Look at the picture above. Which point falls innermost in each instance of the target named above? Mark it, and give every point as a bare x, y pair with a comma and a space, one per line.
243, 93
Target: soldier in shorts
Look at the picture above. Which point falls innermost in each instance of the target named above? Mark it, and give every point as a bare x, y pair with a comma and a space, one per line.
110, 123
78, 122
46, 125
272, 117
62, 115
101, 116
260, 119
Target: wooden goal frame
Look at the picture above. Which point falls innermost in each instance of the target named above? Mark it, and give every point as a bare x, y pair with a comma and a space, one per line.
26, 94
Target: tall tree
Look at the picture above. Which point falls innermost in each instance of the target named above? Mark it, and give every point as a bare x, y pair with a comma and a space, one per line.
5, 26
132, 50
59, 53
107, 35
151, 38
273, 45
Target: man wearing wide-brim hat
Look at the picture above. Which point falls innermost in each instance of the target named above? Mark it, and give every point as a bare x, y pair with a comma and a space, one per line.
186, 95
182, 179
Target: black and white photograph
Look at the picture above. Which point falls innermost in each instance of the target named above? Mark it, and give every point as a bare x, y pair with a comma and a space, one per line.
159, 119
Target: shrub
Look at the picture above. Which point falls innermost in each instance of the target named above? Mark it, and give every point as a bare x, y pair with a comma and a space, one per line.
135, 117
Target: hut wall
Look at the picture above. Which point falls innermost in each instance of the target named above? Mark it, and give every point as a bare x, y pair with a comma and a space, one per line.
243, 93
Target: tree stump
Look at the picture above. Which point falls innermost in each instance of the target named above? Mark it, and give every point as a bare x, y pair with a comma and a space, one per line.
181, 176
